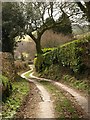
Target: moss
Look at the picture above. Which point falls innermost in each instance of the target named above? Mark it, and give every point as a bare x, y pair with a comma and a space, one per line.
45, 50
38, 62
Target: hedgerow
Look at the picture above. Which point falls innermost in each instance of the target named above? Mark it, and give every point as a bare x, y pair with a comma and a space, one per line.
71, 54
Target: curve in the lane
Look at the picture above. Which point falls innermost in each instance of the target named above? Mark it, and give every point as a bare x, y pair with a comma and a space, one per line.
81, 100
46, 106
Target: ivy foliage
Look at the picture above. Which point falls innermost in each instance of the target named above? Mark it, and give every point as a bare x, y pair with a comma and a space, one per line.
69, 55
12, 24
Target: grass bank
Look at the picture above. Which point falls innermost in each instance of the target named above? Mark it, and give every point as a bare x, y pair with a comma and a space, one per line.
63, 75
20, 89
68, 63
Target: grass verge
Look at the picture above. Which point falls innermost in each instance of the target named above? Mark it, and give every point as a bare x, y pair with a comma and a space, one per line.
63, 75
64, 108
27, 74
20, 89
81, 85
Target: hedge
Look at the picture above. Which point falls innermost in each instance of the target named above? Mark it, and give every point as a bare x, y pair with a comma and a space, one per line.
69, 55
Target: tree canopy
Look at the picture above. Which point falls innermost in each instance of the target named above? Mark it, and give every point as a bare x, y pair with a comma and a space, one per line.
64, 28
12, 25
85, 7
28, 17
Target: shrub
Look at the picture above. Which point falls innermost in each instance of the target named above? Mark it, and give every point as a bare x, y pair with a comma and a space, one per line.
69, 55
47, 50
38, 62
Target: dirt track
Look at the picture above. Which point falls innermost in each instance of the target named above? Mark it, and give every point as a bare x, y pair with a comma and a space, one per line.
81, 100
38, 103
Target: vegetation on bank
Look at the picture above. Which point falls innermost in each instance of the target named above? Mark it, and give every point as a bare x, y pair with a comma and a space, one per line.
55, 72
14, 88
71, 54
69, 63
20, 89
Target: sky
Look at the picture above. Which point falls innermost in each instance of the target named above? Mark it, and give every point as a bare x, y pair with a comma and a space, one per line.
41, 0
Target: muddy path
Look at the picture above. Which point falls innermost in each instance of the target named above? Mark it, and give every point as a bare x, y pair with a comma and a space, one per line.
81, 100
38, 103
30, 105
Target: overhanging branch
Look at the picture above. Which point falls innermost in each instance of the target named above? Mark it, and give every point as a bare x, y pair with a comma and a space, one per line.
32, 36
47, 27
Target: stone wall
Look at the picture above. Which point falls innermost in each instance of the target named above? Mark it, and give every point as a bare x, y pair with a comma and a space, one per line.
7, 65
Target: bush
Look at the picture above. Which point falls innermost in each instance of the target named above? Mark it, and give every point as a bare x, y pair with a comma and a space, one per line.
6, 87
47, 50
38, 62
71, 54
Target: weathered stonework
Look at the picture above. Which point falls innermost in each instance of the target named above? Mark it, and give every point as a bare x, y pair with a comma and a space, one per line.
7, 65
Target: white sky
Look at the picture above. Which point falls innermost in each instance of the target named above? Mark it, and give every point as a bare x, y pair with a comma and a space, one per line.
41, 0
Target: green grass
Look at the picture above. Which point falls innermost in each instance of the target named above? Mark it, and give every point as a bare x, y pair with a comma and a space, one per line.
62, 75
27, 74
4, 80
13, 102
81, 85
63, 106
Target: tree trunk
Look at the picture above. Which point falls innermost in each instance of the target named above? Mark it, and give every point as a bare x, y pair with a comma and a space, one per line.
38, 47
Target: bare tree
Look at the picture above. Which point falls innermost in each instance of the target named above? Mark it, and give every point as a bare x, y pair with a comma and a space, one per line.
85, 7
40, 16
